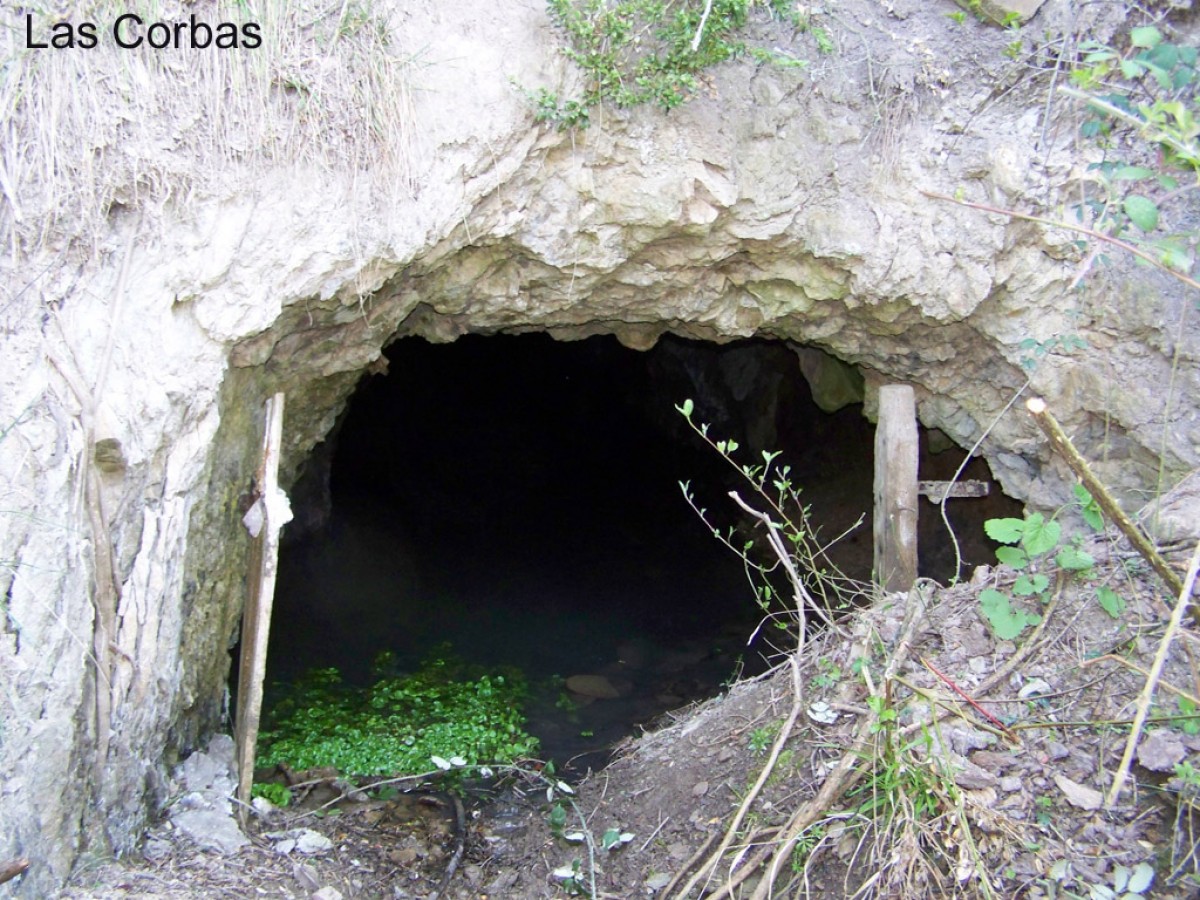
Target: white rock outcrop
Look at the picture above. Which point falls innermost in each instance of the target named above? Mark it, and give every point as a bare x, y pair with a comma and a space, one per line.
781, 203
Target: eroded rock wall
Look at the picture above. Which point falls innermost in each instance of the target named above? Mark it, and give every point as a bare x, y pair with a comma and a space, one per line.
780, 203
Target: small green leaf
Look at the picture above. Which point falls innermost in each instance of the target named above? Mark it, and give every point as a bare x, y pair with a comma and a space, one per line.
1006, 622
731, 445
1147, 37
1006, 531
1132, 173
1131, 68
1110, 601
1040, 536
1028, 585
1089, 508
1142, 211
1012, 556
1073, 559
686, 409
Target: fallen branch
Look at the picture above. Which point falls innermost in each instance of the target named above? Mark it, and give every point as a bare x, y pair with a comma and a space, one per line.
954, 687
744, 808
1062, 443
1147, 695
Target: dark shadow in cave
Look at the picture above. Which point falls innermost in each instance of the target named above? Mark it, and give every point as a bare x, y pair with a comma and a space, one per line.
518, 498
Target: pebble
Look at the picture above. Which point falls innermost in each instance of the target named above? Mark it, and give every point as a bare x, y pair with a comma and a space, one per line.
1010, 783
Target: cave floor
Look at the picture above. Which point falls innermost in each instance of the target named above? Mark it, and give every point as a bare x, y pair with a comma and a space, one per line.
928, 810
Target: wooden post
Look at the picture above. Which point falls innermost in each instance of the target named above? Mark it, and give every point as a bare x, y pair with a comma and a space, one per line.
896, 489
264, 521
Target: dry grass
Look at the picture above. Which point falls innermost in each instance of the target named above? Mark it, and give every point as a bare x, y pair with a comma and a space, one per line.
84, 133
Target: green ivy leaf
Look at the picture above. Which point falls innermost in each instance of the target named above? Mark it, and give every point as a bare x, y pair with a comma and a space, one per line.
1006, 531
1089, 508
1132, 173
1006, 622
1142, 211
1040, 536
1147, 37
1073, 559
1028, 585
1110, 601
1012, 556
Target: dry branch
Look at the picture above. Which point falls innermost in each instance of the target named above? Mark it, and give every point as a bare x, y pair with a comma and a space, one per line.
1147, 695
1062, 443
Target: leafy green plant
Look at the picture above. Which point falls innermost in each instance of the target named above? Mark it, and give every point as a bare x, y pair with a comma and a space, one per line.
762, 738
828, 675
780, 542
277, 794
1028, 545
445, 709
1188, 725
1153, 88
649, 51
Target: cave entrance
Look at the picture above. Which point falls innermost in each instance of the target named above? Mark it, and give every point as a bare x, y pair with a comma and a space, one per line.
518, 499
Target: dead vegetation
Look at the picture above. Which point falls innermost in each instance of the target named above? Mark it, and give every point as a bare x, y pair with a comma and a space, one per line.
88, 133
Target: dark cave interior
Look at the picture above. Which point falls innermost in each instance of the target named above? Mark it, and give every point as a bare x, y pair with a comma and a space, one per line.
518, 498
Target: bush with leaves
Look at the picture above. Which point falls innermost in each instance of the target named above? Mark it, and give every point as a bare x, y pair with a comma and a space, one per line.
648, 51
1152, 90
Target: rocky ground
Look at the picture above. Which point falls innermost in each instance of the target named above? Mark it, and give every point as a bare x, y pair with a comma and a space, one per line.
924, 758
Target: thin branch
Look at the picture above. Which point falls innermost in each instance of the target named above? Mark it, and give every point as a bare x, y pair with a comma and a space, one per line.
1072, 457
1079, 229
700, 28
1147, 696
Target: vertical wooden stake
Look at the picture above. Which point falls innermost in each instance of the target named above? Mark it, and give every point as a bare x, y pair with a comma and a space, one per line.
896, 489
264, 521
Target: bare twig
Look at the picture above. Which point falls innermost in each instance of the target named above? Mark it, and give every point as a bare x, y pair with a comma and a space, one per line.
971, 700
460, 820
700, 28
744, 808
1067, 226
1147, 695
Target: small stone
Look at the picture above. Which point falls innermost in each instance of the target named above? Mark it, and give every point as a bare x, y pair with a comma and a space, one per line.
991, 760
1161, 750
306, 876
1010, 783
657, 882
973, 778
596, 686
1058, 750
156, 849
327, 893
405, 857
1079, 795
700, 788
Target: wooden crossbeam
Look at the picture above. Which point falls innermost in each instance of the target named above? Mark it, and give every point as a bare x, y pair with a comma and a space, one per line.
936, 491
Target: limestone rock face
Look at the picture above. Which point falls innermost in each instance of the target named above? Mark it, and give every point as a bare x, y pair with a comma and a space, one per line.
781, 203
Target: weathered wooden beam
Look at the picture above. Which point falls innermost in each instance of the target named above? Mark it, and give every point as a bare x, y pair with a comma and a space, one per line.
936, 491
12, 868
264, 521
896, 488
